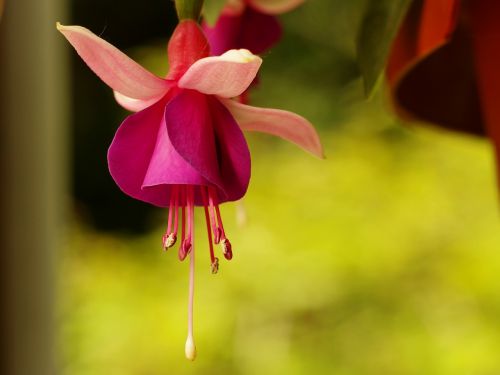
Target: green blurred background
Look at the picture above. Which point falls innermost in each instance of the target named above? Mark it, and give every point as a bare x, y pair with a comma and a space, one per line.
381, 259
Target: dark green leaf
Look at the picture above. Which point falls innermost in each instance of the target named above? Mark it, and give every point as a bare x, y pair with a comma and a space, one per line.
378, 29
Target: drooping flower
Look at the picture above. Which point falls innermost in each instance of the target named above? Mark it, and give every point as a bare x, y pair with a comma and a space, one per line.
443, 66
184, 146
248, 24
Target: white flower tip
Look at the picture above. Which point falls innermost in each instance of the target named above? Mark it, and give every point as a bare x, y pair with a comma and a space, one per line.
190, 348
62, 28
240, 56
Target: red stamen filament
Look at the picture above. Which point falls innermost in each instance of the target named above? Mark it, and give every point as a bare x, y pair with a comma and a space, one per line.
169, 225
182, 250
219, 220
226, 245
211, 211
190, 218
176, 213
213, 260
169, 238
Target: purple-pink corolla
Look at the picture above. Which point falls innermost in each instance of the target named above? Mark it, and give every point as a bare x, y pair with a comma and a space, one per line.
184, 146
249, 24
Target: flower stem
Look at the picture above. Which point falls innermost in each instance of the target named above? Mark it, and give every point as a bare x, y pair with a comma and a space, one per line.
188, 9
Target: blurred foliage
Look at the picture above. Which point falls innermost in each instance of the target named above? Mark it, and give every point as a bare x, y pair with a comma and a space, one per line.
380, 24
381, 259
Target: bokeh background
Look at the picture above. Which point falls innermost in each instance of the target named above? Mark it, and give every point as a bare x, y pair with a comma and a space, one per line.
381, 259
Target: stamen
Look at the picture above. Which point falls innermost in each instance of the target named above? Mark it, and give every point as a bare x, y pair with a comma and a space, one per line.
227, 249
182, 250
214, 262
190, 347
169, 238
170, 206
219, 221
190, 218
176, 212
215, 266
215, 228
169, 241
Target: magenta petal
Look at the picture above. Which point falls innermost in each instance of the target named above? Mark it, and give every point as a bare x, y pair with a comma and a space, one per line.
205, 134
140, 144
167, 166
259, 31
190, 131
251, 30
233, 152
130, 152
224, 35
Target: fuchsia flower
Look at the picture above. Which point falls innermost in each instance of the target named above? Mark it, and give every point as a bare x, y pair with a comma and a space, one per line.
184, 147
249, 24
